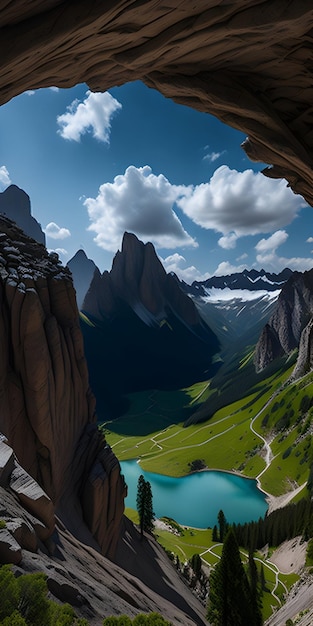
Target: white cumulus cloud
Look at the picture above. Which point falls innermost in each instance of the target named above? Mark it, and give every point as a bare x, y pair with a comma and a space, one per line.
268, 258
5, 179
225, 268
176, 262
228, 242
241, 203
56, 232
141, 202
93, 115
272, 243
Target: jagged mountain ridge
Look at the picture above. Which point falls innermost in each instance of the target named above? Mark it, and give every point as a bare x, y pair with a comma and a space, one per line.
290, 325
138, 278
143, 331
237, 305
232, 305
253, 280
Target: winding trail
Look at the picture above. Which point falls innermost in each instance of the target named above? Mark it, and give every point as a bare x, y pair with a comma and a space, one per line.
267, 442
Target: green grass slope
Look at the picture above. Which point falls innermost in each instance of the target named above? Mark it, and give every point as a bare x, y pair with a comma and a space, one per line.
275, 411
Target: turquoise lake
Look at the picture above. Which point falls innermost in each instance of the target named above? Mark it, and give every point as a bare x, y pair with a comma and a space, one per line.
196, 499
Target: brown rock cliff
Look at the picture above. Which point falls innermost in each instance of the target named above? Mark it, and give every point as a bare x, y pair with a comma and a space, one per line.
47, 408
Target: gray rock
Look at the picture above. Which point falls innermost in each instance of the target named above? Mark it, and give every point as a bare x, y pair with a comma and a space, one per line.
6, 463
10, 550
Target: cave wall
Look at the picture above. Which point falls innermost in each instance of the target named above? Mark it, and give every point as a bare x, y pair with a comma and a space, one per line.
248, 62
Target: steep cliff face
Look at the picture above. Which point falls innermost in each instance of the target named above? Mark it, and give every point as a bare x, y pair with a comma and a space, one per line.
292, 314
47, 408
248, 62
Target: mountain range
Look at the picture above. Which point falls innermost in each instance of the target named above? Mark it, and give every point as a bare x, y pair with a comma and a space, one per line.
235, 307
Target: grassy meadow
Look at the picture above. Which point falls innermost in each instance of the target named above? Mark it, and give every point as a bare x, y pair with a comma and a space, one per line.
153, 431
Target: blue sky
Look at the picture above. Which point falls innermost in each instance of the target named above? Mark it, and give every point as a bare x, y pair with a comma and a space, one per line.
95, 165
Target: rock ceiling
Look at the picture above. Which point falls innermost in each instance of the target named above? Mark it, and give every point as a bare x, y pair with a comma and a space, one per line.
248, 62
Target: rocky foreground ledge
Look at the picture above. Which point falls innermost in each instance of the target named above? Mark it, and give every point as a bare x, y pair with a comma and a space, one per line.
33, 540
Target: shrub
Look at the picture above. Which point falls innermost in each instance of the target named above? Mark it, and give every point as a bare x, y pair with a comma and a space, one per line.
9, 592
15, 619
287, 452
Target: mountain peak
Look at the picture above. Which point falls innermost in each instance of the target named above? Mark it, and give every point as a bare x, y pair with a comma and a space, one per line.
15, 203
83, 270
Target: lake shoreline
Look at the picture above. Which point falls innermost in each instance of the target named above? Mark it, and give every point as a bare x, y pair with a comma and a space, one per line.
196, 500
273, 502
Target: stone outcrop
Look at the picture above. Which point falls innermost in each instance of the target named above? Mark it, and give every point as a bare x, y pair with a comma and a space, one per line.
290, 325
15, 204
249, 63
35, 521
47, 408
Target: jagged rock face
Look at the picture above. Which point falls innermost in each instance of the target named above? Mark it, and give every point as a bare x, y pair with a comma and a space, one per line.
15, 204
141, 330
138, 278
305, 356
47, 407
293, 312
248, 63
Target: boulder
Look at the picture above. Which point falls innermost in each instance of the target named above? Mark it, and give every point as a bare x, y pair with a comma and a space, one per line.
23, 532
10, 550
34, 499
6, 463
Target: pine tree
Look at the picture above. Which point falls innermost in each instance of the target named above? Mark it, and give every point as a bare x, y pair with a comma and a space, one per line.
262, 579
222, 524
144, 505
195, 563
255, 591
230, 593
214, 533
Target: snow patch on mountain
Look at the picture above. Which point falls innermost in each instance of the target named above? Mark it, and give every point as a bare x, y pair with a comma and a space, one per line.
216, 296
